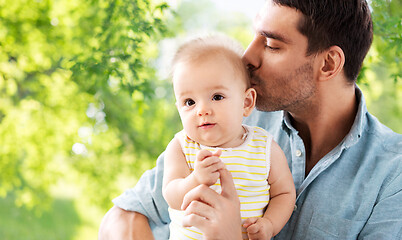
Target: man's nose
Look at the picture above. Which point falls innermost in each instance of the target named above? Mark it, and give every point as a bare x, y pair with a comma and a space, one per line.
204, 109
251, 57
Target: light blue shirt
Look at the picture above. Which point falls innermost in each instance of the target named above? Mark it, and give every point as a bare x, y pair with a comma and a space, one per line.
354, 192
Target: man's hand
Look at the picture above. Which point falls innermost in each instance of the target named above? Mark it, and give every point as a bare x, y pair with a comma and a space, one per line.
216, 215
207, 166
119, 224
258, 228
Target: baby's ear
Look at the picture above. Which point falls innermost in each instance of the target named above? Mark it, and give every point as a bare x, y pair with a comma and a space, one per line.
249, 101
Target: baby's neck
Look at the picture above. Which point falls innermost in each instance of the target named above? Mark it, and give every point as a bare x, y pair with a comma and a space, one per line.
237, 141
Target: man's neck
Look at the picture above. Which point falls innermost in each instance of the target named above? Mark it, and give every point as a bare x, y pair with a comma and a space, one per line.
325, 123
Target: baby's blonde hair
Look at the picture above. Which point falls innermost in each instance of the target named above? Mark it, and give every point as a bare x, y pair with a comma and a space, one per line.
212, 47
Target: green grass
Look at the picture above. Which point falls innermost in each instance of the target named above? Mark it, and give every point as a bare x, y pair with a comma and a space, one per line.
60, 222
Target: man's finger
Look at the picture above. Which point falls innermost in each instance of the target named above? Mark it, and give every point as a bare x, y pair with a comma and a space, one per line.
228, 187
200, 209
195, 220
201, 193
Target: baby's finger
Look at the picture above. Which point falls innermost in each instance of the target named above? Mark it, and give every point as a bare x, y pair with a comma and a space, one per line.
209, 161
256, 236
201, 155
218, 153
216, 166
249, 221
253, 228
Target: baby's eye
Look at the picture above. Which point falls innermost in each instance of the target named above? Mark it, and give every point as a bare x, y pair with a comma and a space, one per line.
189, 102
217, 97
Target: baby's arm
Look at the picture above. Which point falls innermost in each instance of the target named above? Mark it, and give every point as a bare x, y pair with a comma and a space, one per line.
281, 204
177, 179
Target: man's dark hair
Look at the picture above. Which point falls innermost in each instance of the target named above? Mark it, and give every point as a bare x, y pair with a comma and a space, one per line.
343, 23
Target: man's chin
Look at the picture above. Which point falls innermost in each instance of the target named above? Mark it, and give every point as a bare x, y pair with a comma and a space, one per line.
264, 106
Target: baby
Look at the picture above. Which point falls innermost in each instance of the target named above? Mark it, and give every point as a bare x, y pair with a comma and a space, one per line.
213, 94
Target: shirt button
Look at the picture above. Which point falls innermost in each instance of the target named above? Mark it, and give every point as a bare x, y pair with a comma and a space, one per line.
298, 153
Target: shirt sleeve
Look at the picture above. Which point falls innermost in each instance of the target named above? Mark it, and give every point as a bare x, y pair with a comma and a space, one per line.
146, 198
385, 221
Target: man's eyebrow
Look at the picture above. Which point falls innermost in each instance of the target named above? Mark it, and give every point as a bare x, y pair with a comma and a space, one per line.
275, 36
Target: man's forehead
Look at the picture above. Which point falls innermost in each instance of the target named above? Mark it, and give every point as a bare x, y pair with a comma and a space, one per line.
275, 21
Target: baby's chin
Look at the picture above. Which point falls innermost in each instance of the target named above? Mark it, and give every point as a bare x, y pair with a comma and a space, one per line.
207, 142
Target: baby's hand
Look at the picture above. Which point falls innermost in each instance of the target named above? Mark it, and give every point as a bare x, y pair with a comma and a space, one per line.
207, 166
258, 228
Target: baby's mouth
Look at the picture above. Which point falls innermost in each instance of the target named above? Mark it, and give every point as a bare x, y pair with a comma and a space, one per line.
207, 125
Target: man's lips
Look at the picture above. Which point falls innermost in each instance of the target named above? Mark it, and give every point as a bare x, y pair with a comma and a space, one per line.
207, 125
254, 79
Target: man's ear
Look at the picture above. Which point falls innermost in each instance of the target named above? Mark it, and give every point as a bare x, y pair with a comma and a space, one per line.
333, 60
249, 101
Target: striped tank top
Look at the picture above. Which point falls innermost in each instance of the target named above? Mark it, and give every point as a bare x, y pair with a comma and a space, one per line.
249, 165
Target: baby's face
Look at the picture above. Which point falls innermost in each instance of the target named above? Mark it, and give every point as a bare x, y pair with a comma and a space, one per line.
210, 98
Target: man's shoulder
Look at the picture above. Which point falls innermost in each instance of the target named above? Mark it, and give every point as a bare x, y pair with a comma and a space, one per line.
387, 140
381, 151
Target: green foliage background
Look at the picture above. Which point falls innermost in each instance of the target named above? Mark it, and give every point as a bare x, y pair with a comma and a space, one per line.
83, 110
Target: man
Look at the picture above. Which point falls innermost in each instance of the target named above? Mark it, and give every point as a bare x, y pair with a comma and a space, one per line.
304, 60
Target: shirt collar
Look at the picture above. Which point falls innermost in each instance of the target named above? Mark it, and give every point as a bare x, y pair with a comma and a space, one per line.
360, 121
357, 128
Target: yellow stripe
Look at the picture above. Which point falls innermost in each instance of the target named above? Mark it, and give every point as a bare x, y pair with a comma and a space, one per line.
265, 194
259, 132
251, 217
180, 228
262, 129
254, 159
192, 147
261, 136
233, 150
248, 179
256, 146
255, 202
188, 229
189, 236
237, 164
250, 210
241, 189
258, 140
245, 165
241, 185
252, 173
239, 150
